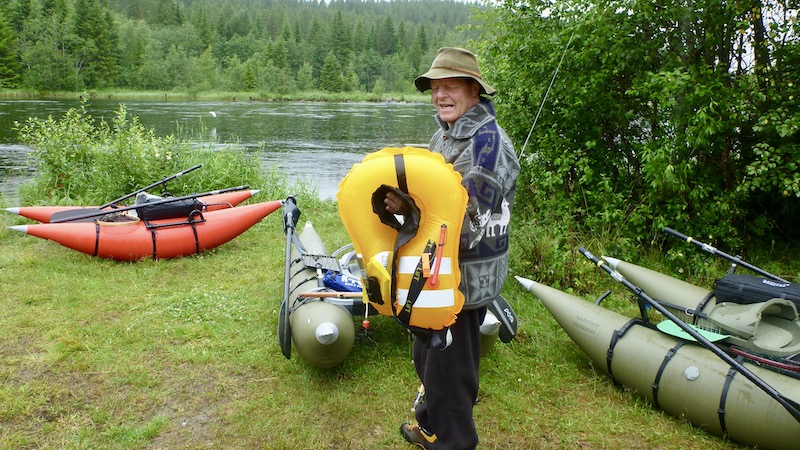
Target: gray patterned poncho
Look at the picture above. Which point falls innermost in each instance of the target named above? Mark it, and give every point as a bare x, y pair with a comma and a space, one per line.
481, 151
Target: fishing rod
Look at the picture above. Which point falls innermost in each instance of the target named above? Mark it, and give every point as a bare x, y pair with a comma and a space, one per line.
710, 249
70, 214
163, 181
546, 93
158, 202
791, 406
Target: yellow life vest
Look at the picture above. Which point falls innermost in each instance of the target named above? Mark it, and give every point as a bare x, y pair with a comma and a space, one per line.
410, 269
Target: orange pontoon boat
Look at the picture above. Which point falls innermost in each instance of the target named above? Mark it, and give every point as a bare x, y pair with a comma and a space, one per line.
136, 239
44, 214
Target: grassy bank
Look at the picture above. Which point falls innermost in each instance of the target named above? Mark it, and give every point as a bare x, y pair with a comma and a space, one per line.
183, 354
319, 96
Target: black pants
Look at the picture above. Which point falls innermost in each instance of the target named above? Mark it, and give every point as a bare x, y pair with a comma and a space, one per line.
450, 377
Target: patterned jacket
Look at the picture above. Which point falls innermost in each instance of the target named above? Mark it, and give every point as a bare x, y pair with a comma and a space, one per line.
481, 151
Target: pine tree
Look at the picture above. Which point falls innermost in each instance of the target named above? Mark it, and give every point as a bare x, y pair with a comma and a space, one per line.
18, 11
9, 67
340, 38
169, 13
56, 8
305, 77
330, 77
418, 48
45, 55
95, 54
386, 39
317, 45
204, 28
402, 43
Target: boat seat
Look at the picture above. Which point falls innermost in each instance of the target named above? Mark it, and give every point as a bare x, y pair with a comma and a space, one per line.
759, 320
143, 198
770, 335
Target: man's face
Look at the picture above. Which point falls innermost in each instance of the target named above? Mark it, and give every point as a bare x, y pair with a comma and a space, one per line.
452, 97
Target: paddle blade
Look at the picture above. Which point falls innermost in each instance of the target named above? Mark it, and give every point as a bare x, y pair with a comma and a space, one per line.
284, 330
508, 318
77, 215
671, 328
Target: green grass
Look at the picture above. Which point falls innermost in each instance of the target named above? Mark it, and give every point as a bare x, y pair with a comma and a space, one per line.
183, 353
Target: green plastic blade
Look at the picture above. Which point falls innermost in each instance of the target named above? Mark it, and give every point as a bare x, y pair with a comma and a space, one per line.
671, 328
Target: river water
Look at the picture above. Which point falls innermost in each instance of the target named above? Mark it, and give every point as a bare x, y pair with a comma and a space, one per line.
312, 142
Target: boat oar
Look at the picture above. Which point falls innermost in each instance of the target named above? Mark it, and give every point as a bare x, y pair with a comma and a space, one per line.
714, 251
291, 214
169, 178
329, 294
158, 202
791, 406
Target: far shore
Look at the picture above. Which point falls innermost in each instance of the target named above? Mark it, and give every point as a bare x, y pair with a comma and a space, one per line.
316, 96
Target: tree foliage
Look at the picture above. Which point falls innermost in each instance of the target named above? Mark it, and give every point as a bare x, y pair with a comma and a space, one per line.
237, 45
81, 160
9, 68
670, 113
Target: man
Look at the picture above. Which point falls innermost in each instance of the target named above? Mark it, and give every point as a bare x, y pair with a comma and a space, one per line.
479, 149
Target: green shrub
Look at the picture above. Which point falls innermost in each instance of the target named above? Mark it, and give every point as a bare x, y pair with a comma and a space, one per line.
80, 160
647, 124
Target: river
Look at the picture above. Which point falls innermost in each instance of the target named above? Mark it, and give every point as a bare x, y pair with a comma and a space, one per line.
312, 142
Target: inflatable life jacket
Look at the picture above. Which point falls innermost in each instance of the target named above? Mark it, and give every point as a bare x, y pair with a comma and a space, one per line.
409, 270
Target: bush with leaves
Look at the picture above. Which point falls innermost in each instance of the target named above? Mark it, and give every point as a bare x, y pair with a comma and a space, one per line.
660, 115
80, 160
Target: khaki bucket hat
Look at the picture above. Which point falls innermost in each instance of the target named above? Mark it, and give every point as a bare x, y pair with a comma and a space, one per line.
452, 62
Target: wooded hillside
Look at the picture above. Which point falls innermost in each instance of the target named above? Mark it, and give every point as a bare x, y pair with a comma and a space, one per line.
277, 46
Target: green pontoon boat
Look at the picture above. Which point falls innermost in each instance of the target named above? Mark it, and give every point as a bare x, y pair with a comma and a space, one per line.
749, 402
769, 328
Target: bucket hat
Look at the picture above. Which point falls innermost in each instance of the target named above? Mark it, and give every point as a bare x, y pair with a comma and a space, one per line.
453, 62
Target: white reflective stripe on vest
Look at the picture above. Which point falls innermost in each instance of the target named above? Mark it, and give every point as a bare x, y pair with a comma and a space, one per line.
439, 298
408, 264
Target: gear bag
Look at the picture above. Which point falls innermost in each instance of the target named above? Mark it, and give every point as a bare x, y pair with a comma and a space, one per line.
746, 289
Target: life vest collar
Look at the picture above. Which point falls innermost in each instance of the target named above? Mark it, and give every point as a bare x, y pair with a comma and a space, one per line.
406, 230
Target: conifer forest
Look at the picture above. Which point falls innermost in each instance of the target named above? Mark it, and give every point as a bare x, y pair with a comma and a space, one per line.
276, 46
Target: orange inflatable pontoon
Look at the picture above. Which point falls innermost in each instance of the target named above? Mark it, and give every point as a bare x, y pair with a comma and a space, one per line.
212, 202
158, 239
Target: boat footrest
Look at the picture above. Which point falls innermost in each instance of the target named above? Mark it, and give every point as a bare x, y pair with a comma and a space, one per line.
323, 262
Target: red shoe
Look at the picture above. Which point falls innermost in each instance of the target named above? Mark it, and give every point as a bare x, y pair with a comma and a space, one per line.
418, 436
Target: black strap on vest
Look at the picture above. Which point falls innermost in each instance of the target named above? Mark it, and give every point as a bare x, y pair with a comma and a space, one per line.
417, 283
400, 169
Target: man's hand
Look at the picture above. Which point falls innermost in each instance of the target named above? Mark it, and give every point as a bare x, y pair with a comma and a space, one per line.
394, 204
